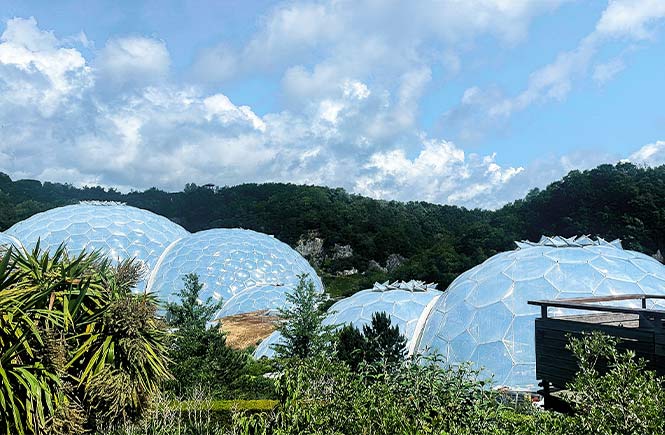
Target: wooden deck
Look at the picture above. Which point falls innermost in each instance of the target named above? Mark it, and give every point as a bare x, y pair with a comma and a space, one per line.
638, 329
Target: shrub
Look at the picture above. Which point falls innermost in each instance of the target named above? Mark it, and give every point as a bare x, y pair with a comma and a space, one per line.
623, 397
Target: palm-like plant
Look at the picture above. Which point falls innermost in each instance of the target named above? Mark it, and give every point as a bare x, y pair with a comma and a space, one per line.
75, 342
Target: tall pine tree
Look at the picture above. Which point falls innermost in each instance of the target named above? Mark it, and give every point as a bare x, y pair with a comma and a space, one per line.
302, 329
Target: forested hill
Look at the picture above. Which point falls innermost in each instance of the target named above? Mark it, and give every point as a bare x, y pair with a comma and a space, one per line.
341, 232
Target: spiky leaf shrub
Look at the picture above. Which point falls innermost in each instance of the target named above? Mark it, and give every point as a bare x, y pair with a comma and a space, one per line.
56, 338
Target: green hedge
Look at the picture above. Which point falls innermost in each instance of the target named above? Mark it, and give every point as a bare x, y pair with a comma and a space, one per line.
225, 405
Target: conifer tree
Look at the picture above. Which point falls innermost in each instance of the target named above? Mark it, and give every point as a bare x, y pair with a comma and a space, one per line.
200, 356
302, 329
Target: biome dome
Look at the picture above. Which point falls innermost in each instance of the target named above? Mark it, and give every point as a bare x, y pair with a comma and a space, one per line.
483, 316
115, 229
6, 241
230, 262
404, 302
250, 271
265, 297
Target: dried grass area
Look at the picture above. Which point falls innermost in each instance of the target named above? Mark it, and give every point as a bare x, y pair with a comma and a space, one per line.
245, 330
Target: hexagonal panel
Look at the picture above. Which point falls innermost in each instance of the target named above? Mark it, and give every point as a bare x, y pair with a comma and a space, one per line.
529, 268
228, 261
490, 291
618, 269
118, 231
491, 323
574, 278
578, 270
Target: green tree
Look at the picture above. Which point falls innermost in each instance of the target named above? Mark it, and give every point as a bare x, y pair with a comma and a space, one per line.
200, 356
351, 346
384, 341
302, 329
189, 313
379, 342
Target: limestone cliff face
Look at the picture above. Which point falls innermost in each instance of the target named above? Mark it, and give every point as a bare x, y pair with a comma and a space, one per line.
310, 246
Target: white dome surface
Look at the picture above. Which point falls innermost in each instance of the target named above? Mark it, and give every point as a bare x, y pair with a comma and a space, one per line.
230, 262
7, 240
483, 316
264, 349
404, 302
117, 230
267, 297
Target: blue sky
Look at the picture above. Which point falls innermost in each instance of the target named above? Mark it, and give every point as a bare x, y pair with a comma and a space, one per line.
457, 102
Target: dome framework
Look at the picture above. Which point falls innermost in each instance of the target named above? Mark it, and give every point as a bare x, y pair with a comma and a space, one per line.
483, 316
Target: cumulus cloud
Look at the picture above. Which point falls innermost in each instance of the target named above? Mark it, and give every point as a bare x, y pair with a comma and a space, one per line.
166, 135
36, 72
652, 154
441, 172
134, 59
350, 116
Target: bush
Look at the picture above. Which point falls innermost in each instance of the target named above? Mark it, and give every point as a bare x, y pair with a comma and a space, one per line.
77, 348
622, 397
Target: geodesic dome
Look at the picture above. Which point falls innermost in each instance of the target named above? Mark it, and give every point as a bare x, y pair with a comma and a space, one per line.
264, 349
483, 316
267, 297
115, 229
230, 262
404, 302
6, 241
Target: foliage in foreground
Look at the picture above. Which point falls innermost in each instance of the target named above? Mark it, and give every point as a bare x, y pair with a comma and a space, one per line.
77, 348
379, 343
302, 329
321, 396
626, 399
199, 355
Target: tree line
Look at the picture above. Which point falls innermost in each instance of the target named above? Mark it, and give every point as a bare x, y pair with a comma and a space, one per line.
438, 242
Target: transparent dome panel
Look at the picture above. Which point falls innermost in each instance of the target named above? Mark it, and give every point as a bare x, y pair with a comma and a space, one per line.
489, 302
119, 231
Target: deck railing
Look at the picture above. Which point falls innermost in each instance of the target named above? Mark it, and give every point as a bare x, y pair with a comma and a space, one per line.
641, 330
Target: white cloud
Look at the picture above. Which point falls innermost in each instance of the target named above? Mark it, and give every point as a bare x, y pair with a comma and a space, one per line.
604, 72
328, 40
652, 154
627, 19
344, 123
215, 64
630, 18
36, 72
441, 172
133, 60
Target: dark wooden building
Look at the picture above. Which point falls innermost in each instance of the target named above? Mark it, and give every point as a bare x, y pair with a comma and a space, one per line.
639, 329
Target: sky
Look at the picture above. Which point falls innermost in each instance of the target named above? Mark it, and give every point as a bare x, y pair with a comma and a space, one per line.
471, 103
